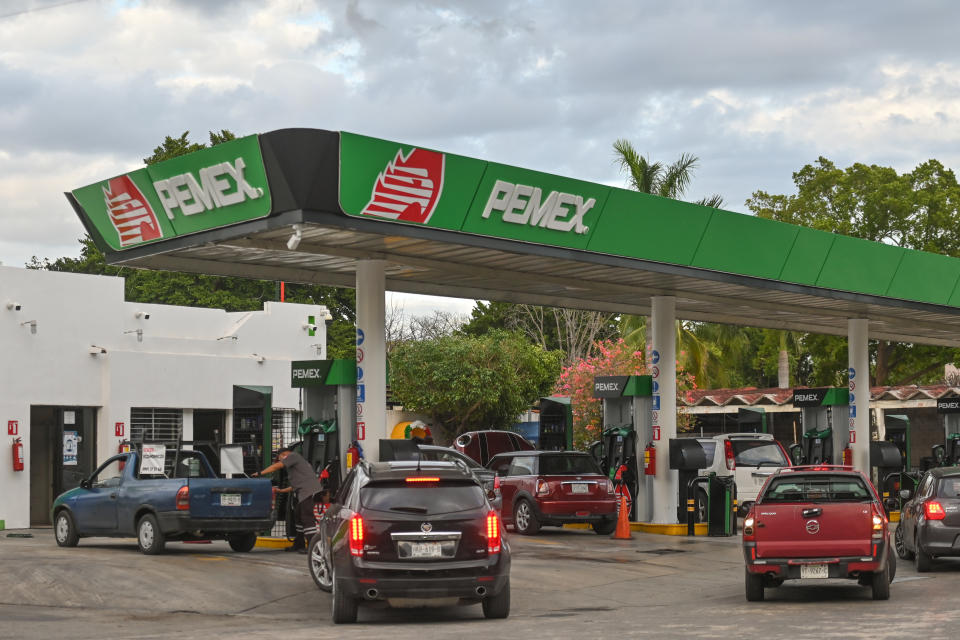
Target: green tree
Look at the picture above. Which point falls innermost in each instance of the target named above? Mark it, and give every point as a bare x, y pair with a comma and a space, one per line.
196, 290
468, 382
916, 210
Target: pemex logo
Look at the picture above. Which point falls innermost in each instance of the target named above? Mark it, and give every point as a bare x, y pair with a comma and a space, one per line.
409, 188
130, 213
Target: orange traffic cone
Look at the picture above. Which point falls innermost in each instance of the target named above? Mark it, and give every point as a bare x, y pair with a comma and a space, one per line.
623, 521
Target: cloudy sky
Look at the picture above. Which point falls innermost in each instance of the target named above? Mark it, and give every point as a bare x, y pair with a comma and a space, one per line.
754, 89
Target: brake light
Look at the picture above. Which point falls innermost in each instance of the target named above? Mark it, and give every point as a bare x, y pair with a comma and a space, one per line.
933, 510
728, 454
183, 498
423, 479
611, 490
356, 536
496, 482
542, 488
493, 533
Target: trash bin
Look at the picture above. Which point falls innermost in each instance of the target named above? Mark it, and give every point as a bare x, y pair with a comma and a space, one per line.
722, 519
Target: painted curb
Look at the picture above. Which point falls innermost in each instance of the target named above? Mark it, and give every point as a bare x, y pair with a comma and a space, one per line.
700, 529
273, 543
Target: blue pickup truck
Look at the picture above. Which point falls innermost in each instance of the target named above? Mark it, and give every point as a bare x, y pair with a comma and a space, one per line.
179, 499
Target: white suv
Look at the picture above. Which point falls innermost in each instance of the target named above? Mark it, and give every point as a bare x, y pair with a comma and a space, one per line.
750, 458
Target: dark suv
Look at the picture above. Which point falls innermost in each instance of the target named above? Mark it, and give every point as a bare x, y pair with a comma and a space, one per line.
553, 488
411, 533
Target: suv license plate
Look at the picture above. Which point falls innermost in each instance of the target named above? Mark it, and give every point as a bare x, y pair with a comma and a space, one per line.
814, 571
229, 499
425, 550
579, 488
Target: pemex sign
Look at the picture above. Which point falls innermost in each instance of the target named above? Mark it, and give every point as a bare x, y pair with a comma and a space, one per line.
214, 187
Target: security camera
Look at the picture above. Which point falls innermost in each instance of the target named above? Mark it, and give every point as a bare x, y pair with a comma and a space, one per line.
295, 238
13, 306
309, 327
142, 314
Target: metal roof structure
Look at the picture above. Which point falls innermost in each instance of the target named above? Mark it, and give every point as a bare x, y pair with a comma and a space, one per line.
453, 226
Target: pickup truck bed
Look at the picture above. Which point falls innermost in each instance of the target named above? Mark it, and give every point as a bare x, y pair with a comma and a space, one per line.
186, 501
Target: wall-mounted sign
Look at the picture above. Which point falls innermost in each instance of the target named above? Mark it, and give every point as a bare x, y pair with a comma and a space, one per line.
13, 427
118, 429
71, 444
69, 417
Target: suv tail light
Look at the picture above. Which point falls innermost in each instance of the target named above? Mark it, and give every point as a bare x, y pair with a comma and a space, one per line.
183, 498
542, 488
728, 455
496, 482
493, 533
355, 536
933, 510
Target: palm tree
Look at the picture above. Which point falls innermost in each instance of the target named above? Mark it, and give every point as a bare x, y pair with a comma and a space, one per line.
670, 181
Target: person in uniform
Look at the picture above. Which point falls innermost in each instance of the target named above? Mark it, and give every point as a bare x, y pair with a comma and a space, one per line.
306, 485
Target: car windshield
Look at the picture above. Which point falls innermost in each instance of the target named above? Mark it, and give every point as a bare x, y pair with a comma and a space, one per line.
757, 453
560, 465
949, 487
424, 498
816, 488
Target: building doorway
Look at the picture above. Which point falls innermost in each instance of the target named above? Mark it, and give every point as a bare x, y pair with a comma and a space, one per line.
62, 453
208, 433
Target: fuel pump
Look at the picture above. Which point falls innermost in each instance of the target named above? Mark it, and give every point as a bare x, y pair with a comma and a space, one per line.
824, 414
627, 426
948, 454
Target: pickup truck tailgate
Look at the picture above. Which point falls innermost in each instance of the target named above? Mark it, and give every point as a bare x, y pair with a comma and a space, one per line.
814, 530
230, 498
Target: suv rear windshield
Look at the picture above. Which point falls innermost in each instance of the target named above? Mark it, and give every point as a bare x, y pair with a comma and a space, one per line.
560, 465
755, 453
816, 488
949, 487
428, 499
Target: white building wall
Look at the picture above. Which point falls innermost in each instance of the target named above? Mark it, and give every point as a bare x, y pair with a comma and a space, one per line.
86, 352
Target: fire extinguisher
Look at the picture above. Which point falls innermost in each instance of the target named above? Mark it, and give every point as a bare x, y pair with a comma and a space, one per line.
17, 455
353, 454
650, 460
848, 457
124, 447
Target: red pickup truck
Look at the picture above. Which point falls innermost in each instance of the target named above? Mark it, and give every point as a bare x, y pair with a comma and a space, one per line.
817, 522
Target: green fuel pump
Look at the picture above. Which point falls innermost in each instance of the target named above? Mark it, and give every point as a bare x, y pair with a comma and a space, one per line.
824, 414
948, 453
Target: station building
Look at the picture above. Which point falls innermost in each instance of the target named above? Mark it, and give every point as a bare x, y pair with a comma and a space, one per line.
85, 371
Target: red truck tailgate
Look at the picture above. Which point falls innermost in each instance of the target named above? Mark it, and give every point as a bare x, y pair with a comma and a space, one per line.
814, 530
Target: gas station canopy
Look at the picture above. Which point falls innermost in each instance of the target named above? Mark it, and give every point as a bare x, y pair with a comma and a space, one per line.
305, 205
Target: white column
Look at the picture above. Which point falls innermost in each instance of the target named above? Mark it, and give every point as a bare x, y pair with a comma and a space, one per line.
859, 380
663, 368
371, 359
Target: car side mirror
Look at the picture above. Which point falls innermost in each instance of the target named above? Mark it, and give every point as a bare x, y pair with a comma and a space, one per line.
85, 483
905, 494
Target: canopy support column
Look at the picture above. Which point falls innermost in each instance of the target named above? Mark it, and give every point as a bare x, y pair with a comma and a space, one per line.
663, 369
371, 357
859, 380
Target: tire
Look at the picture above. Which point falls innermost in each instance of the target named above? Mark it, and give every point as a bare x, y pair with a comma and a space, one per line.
498, 606
344, 607
524, 519
149, 537
753, 583
880, 584
701, 507
319, 563
902, 550
242, 542
605, 527
922, 561
65, 530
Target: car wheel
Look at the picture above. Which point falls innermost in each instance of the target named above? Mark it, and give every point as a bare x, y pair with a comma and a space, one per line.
524, 519
702, 513
902, 550
754, 586
605, 527
922, 561
65, 530
320, 563
149, 538
344, 607
242, 542
880, 584
498, 606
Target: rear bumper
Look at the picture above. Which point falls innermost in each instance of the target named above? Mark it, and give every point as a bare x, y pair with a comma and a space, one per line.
471, 580
843, 567
172, 524
565, 511
938, 539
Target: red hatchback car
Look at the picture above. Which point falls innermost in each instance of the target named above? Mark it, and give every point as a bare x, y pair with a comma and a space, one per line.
811, 523
553, 488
